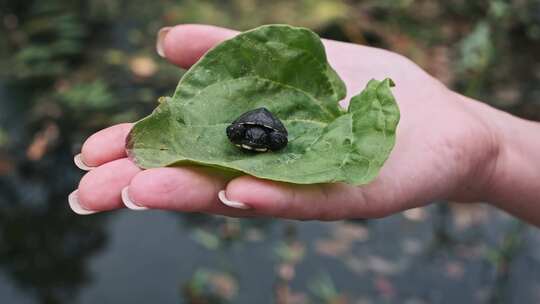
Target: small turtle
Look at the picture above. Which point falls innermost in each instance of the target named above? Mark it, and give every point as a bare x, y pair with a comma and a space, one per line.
258, 130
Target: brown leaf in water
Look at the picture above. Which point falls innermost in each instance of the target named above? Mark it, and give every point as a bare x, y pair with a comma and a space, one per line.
467, 215
415, 214
143, 66
225, 285
6, 165
455, 270
42, 141
385, 287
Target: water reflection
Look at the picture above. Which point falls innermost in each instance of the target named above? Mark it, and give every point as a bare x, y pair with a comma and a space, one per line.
44, 247
56, 257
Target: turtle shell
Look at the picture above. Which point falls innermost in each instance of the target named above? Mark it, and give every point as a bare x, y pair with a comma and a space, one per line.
261, 117
258, 130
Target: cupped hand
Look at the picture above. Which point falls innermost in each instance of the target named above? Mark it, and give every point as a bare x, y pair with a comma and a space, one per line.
445, 149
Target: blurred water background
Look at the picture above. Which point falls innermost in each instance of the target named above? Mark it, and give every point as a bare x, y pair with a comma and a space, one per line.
69, 68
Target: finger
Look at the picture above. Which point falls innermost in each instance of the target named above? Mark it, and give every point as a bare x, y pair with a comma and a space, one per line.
105, 146
184, 44
304, 202
100, 189
185, 189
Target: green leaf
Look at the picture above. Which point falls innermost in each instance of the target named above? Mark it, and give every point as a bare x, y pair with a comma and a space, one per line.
284, 69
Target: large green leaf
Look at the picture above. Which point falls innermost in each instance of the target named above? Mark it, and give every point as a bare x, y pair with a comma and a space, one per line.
284, 69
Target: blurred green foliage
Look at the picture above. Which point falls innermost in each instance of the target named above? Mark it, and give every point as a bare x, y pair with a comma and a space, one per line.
209, 286
324, 289
94, 94
79, 54
477, 49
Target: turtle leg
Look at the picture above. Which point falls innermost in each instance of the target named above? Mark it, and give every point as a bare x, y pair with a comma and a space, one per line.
277, 141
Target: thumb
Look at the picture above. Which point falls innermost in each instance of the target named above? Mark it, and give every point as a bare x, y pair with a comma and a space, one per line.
184, 44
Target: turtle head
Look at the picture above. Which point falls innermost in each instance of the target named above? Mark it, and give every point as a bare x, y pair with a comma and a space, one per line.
236, 133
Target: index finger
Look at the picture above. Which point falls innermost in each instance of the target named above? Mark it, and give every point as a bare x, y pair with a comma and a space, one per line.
104, 146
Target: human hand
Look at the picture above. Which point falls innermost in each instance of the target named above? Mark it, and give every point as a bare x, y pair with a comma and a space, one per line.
445, 149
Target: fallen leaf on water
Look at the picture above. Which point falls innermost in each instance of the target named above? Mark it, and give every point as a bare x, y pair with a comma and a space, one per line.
455, 270
467, 215
385, 287
332, 248
224, 284
415, 214
382, 266
284, 295
343, 237
206, 239
6, 165
351, 232
42, 141
143, 66
286, 271
292, 253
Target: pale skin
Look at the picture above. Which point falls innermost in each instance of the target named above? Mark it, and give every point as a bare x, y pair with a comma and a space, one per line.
449, 147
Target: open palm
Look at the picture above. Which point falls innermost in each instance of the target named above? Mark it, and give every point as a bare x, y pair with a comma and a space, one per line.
443, 151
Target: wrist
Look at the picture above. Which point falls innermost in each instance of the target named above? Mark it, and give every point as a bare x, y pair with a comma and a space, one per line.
493, 168
483, 153
511, 178
516, 172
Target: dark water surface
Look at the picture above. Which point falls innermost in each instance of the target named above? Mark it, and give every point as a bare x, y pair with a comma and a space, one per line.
414, 258
445, 253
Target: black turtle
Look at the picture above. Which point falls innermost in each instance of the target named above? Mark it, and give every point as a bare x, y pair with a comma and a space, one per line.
258, 130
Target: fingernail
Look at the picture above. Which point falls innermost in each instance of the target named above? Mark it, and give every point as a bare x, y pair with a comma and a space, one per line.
233, 204
73, 200
80, 164
160, 39
129, 203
